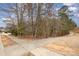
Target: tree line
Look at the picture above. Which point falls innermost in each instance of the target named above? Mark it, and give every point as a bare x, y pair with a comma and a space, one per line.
38, 20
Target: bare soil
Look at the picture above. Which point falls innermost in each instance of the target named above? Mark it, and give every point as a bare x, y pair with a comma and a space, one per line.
6, 41
65, 45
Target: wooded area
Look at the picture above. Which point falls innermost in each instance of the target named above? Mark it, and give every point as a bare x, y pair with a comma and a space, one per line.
38, 20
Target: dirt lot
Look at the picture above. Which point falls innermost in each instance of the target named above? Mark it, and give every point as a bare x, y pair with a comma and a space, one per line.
68, 45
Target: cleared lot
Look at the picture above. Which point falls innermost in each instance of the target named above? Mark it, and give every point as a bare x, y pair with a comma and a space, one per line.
65, 45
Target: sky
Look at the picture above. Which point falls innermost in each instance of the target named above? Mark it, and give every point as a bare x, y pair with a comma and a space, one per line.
71, 6
74, 7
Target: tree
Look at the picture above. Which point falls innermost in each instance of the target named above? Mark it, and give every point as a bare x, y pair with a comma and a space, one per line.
18, 11
66, 23
38, 20
43, 20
